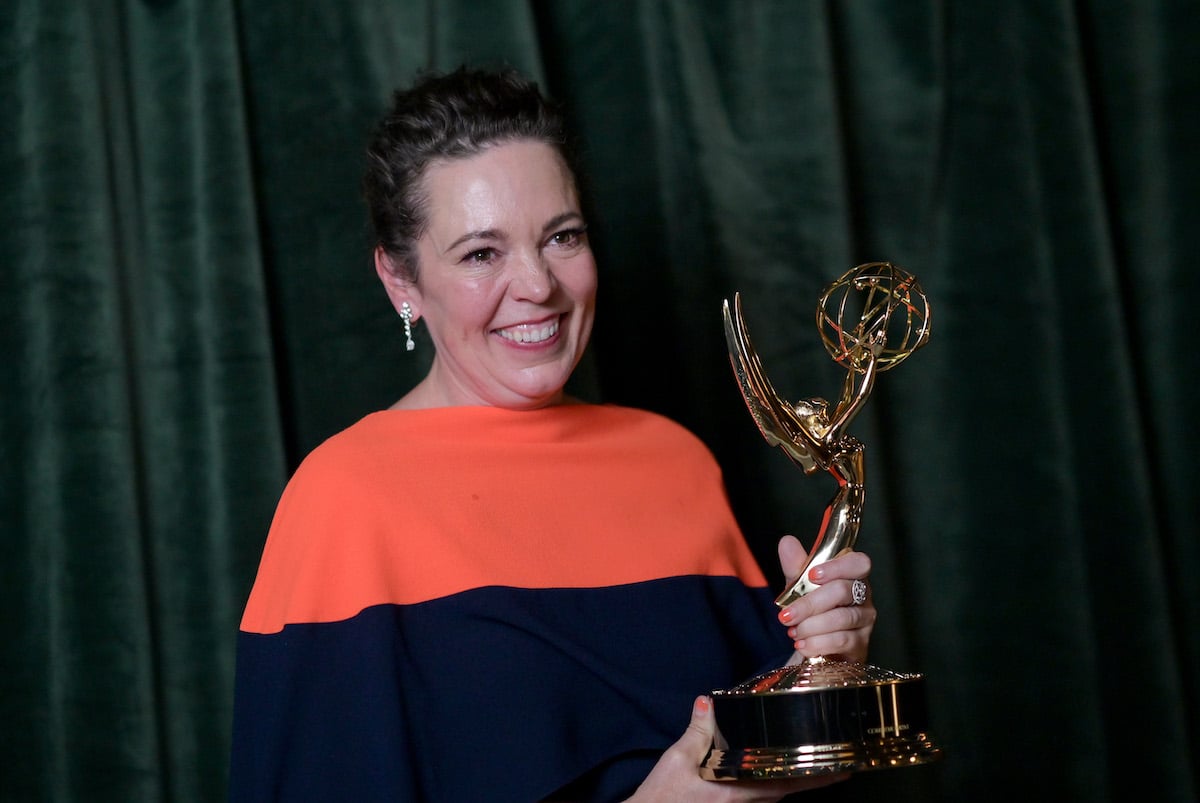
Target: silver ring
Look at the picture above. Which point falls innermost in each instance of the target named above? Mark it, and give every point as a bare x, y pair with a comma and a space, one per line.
858, 592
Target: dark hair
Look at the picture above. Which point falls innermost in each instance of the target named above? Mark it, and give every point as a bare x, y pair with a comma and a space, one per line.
446, 116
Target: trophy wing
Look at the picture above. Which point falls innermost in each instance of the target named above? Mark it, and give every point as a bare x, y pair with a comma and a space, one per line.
775, 418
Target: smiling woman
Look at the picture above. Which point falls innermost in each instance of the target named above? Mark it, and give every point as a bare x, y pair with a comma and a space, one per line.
492, 590
505, 279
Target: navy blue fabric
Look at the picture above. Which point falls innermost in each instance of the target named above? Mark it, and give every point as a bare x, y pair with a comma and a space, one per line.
496, 693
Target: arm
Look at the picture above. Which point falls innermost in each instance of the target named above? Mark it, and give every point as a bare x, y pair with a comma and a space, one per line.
855, 393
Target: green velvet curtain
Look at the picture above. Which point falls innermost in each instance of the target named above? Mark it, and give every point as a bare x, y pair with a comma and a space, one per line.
187, 307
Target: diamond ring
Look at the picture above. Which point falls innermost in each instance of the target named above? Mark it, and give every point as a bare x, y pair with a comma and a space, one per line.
858, 592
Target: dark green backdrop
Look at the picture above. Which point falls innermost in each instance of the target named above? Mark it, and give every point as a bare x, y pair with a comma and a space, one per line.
187, 307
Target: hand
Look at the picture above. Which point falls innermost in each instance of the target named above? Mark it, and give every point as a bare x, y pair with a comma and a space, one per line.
676, 776
826, 621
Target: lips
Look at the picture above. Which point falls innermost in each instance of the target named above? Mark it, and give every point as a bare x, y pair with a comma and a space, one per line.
530, 333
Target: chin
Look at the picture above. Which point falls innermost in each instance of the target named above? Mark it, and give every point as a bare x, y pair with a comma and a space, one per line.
533, 394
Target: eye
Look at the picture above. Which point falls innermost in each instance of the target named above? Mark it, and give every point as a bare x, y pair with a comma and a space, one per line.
481, 256
569, 238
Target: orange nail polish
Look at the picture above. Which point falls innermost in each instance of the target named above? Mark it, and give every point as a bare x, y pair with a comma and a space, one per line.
786, 615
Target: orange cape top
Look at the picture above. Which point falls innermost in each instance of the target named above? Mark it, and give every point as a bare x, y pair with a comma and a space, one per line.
409, 506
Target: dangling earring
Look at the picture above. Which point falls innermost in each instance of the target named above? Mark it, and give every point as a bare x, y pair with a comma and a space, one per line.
406, 315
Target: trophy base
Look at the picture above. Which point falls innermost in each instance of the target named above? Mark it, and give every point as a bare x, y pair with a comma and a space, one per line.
821, 716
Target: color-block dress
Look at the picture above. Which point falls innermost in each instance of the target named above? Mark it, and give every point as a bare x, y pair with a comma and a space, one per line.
472, 603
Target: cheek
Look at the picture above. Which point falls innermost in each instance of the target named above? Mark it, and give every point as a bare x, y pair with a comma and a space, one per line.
467, 310
580, 281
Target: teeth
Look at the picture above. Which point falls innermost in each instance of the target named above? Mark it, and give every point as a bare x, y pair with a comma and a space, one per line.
531, 335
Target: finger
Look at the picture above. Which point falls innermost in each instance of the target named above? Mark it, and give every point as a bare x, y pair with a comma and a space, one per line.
698, 737
847, 566
849, 644
676, 775
844, 618
835, 633
792, 557
835, 594
816, 602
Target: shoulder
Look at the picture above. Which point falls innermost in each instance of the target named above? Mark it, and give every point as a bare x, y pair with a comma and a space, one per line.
341, 483
349, 455
358, 440
324, 541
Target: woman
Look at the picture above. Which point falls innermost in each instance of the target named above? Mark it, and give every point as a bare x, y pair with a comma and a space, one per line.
491, 590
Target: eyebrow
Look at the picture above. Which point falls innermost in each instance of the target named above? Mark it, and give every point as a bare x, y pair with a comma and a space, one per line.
558, 220
485, 234
493, 234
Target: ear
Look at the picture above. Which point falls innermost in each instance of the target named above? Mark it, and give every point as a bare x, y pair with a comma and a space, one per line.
398, 288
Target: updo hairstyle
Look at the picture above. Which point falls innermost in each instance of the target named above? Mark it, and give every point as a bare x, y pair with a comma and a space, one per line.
443, 117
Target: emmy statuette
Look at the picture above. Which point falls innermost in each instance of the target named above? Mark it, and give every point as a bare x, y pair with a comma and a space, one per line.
826, 714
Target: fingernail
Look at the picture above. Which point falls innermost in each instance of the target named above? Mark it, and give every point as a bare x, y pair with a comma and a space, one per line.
816, 573
702, 705
786, 615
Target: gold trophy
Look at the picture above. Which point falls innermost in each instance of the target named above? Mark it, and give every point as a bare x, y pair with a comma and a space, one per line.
826, 714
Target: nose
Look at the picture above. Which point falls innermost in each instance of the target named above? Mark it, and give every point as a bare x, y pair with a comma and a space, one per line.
533, 279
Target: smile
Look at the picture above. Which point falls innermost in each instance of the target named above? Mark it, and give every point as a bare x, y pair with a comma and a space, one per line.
530, 333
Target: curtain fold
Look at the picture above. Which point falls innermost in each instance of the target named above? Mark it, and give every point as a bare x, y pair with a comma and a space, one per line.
140, 418
188, 306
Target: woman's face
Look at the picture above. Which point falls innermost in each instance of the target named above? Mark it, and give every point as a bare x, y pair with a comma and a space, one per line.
506, 279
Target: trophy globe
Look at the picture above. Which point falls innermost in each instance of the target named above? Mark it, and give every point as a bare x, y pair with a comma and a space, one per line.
890, 308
